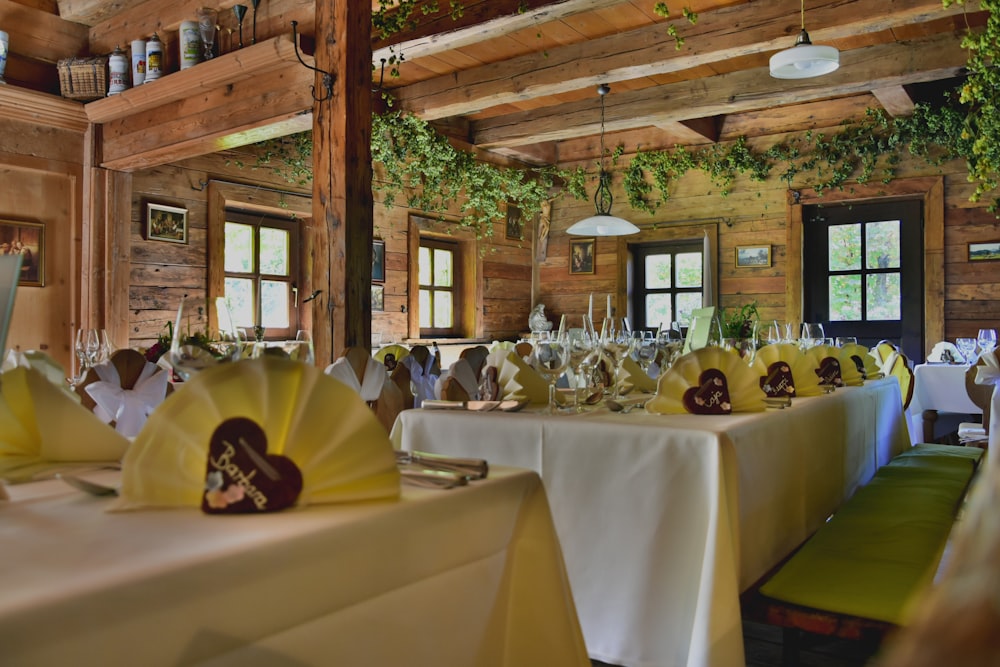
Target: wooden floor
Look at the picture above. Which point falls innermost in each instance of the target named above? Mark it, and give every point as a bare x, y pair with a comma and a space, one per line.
763, 647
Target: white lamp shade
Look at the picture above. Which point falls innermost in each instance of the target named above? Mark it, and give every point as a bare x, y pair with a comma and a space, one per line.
804, 61
602, 224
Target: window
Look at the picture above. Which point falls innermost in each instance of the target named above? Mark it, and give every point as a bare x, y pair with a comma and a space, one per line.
863, 272
261, 270
437, 267
667, 279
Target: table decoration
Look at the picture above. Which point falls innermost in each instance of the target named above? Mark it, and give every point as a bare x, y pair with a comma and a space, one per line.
42, 363
318, 423
204, 335
42, 428
634, 377
863, 359
518, 381
710, 380
785, 371
945, 352
826, 359
124, 390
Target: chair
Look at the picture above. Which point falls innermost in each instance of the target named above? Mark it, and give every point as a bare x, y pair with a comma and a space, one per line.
390, 401
972, 433
400, 376
900, 369
883, 352
476, 356
129, 364
523, 349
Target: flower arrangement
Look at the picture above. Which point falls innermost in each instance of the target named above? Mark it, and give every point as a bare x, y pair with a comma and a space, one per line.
741, 322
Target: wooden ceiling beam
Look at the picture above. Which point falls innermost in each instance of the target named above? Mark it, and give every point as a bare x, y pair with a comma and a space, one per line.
38, 35
895, 100
862, 69
731, 32
694, 131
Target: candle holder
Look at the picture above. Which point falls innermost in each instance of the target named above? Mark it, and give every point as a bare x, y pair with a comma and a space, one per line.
253, 35
240, 11
207, 25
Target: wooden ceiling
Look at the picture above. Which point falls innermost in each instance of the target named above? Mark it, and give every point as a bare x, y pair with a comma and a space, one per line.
520, 77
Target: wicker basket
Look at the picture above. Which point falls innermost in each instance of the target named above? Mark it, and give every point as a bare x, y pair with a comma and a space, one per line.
83, 78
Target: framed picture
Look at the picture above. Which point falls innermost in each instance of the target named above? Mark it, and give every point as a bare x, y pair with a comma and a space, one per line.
378, 298
166, 223
979, 252
581, 255
26, 239
515, 224
378, 262
753, 255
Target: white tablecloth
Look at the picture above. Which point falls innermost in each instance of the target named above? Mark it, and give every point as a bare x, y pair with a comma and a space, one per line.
664, 520
471, 576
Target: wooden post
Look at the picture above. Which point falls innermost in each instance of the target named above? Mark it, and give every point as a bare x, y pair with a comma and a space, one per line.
341, 242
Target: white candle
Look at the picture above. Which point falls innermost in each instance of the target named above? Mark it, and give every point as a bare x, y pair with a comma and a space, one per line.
590, 308
609, 307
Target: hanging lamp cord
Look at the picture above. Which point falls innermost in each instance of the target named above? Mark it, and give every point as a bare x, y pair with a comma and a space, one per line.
602, 197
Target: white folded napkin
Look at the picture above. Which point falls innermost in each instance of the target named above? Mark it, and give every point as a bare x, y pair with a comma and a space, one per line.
941, 352
421, 378
370, 388
41, 362
989, 373
128, 408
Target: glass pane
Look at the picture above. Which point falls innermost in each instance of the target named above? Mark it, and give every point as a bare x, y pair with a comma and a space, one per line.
442, 310
658, 310
845, 247
274, 251
274, 299
239, 248
882, 245
239, 293
442, 268
688, 270
845, 298
687, 302
883, 296
425, 306
658, 270
424, 268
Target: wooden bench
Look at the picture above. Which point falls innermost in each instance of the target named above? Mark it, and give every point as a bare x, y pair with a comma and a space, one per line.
857, 576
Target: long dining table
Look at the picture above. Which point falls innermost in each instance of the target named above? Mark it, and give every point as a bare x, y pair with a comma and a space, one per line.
471, 576
665, 519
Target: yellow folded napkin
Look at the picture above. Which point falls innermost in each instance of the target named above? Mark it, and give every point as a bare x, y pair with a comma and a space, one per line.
710, 380
319, 423
633, 377
42, 362
520, 382
42, 427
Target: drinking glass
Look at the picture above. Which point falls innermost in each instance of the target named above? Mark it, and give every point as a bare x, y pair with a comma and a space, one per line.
773, 333
582, 343
207, 20
200, 341
85, 346
550, 357
617, 344
812, 335
669, 344
644, 349
841, 341
987, 340
106, 346
967, 348
745, 347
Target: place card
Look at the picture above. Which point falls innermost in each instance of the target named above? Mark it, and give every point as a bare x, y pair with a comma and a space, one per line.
711, 396
829, 372
778, 383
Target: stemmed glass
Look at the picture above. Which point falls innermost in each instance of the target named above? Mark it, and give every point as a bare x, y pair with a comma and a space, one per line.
669, 345
198, 341
550, 357
207, 20
967, 348
240, 11
812, 335
87, 346
617, 344
582, 343
773, 333
987, 340
644, 349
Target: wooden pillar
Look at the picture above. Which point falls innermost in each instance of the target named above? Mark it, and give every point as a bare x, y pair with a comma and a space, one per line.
341, 251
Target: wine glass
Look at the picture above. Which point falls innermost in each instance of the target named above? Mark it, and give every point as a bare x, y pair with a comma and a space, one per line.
842, 341
812, 335
582, 343
550, 357
644, 349
200, 340
774, 333
745, 347
85, 346
106, 347
967, 348
240, 11
617, 344
987, 340
669, 344
207, 20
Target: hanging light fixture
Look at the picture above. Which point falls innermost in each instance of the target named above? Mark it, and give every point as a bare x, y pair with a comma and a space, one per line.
804, 60
603, 223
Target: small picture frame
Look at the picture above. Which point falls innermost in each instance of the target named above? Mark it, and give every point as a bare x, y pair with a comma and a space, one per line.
984, 252
581, 256
515, 223
753, 256
26, 239
378, 298
378, 261
166, 223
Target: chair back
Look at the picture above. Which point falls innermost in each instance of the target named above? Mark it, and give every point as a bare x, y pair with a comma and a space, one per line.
980, 394
882, 351
901, 371
400, 377
523, 349
390, 401
476, 356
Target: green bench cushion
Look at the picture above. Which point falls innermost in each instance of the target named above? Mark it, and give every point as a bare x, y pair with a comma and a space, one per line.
883, 547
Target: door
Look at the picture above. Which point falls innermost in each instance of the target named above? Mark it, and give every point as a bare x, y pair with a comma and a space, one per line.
863, 272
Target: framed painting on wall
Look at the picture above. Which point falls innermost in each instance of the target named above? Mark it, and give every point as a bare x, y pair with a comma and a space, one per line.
581, 256
979, 252
515, 224
753, 255
26, 239
166, 223
378, 298
378, 261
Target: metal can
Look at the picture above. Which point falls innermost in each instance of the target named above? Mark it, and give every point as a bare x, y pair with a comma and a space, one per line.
118, 72
138, 61
154, 58
189, 44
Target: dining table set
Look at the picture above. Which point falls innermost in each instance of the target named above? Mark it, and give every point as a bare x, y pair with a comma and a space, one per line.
260, 513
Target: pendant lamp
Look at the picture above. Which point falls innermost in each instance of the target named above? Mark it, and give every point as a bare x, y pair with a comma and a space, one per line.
603, 223
804, 60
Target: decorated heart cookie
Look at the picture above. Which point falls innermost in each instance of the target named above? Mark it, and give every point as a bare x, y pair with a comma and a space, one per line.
829, 372
711, 396
778, 383
241, 477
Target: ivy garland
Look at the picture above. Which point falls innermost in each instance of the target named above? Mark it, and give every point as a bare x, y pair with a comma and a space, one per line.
421, 164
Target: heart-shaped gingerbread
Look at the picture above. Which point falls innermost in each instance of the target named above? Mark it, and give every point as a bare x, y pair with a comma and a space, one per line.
711, 396
829, 372
241, 477
860, 363
778, 382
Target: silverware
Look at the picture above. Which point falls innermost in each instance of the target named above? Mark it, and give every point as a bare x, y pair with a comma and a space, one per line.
432, 479
469, 469
93, 488
615, 406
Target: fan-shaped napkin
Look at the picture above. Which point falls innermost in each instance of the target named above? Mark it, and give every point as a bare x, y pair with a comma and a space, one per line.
42, 362
826, 360
857, 364
42, 427
124, 390
397, 351
461, 373
633, 377
520, 382
945, 352
770, 364
319, 423
701, 381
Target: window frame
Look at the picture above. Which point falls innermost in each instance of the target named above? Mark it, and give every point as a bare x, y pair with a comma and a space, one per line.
640, 251
452, 246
